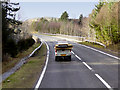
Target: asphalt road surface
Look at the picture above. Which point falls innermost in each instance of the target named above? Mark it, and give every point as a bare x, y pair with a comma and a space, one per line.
87, 69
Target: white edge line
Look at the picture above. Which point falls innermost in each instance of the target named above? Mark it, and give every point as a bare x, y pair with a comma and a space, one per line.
101, 52
44, 69
104, 82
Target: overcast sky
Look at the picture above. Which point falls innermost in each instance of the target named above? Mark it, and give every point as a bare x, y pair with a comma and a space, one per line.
54, 9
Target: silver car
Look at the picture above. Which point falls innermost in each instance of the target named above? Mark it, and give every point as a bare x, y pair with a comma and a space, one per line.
63, 51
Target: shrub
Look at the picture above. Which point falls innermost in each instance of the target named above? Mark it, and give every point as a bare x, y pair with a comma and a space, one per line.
24, 44
11, 47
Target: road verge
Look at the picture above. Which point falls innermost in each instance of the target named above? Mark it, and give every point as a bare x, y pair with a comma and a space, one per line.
29, 73
18, 65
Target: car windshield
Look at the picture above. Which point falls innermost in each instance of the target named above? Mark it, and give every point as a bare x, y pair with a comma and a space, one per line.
62, 46
62, 42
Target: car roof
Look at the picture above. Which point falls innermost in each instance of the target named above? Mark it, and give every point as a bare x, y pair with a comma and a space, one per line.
62, 42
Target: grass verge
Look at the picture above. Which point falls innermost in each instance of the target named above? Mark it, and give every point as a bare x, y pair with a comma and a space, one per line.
112, 49
11, 62
28, 74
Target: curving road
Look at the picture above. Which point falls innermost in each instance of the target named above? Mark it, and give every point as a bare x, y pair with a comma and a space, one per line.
87, 69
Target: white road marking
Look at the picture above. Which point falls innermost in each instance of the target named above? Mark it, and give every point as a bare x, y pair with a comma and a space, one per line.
78, 57
101, 52
82, 61
98, 76
87, 65
44, 69
104, 82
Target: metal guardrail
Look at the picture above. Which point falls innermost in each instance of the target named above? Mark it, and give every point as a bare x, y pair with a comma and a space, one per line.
18, 65
75, 38
95, 42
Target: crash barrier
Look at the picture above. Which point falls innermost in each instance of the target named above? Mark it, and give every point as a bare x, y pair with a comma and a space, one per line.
18, 65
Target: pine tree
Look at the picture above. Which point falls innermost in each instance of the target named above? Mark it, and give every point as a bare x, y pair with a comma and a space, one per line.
80, 19
8, 18
64, 16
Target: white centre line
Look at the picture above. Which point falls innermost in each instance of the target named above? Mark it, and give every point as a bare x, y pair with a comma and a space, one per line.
104, 82
44, 69
87, 65
82, 61
98, 76
72, 52
76, 55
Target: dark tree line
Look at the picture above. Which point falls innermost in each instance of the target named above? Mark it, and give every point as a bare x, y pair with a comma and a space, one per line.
8, 18
9, 24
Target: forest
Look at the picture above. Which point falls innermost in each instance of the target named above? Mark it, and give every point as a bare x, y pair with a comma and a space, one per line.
104, 20
102, 24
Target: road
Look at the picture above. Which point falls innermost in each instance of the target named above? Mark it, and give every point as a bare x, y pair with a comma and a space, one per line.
87, 69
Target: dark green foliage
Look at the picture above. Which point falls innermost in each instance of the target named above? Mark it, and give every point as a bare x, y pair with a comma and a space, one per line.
98, 6
11, 47
24, 44
5, 31
80, 19
9, 44
64, 16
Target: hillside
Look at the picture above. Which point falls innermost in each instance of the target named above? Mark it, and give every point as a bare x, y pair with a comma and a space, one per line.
53, 25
